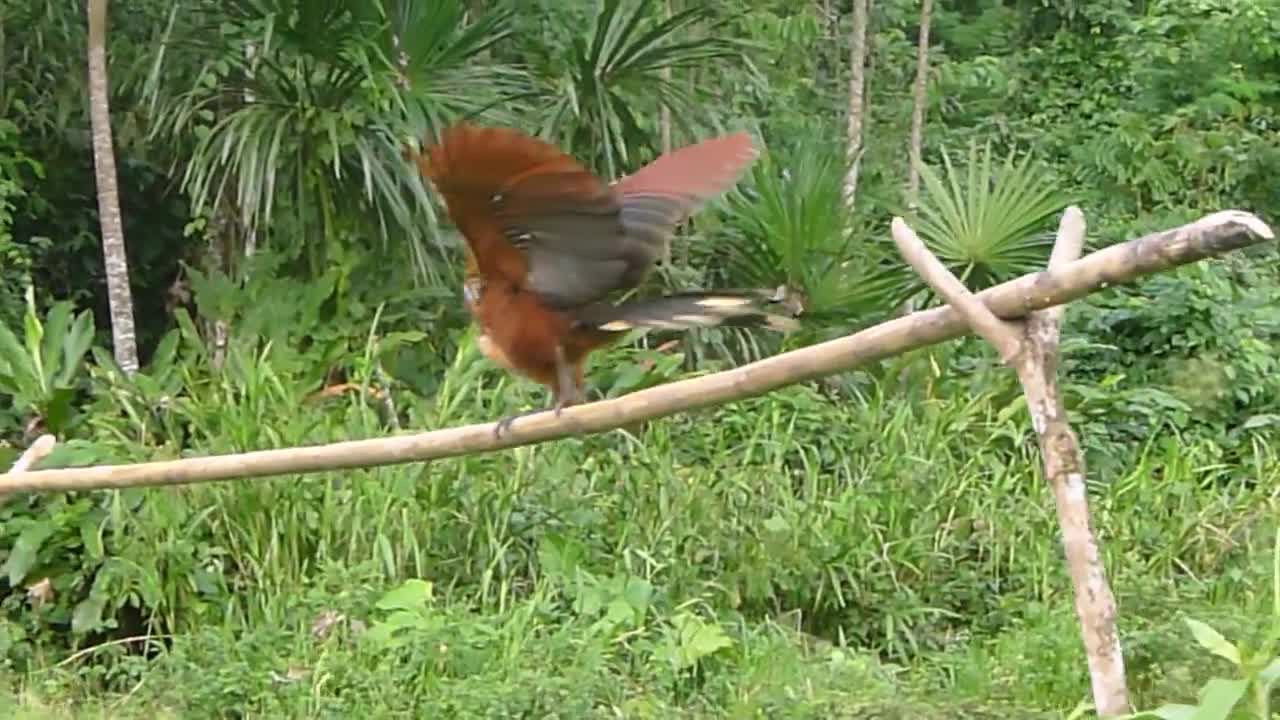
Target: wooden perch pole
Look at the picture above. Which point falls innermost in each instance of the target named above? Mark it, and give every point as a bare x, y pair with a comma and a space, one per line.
1211, 235
1031, 349
36, 452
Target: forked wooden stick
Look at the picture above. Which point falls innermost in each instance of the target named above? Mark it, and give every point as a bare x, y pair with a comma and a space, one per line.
1030, 347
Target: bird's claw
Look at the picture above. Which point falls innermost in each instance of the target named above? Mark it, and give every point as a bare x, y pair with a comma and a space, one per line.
561, 401
504, 425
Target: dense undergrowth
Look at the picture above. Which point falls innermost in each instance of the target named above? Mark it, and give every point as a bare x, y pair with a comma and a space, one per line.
826, 552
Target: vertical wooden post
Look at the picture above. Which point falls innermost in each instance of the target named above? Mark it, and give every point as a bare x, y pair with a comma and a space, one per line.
1030, 347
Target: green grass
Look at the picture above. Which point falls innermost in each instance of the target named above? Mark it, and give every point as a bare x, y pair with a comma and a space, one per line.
892, 554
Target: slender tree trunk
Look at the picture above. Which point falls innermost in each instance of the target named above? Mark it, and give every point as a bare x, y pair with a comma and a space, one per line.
116, 263
664, 116
232, 227
251, 235
219, 255
857, 96
919, 103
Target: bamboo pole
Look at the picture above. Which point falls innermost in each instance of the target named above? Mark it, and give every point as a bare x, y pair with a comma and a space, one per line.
1212, 235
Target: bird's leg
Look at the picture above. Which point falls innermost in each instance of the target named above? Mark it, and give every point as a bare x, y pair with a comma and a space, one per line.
566, 393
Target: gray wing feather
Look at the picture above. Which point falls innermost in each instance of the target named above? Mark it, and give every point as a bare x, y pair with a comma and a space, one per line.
579, 252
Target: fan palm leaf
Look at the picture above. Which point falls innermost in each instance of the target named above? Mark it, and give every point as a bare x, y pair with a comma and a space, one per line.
987, 222
790, 225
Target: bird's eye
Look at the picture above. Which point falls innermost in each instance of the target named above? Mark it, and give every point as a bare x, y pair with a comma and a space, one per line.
471, 292
496, 199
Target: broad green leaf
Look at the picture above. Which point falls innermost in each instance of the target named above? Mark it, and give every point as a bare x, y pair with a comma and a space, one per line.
1262, 420
628, 378
74, 347
91, 535
1171, 711
378, 634
1219, 697
26, 550
706, 639
57, 325
59, 409
638, 593
617, 612
392, 340
777, 525
692, 639
18, 363
413, 594
87, 616
1213, 641
1270, 674
165, 353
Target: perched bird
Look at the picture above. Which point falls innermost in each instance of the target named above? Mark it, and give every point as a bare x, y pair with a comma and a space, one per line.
548, 242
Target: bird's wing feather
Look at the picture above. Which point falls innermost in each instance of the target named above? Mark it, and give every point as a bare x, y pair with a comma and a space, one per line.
659, 196
579, 238
565, 222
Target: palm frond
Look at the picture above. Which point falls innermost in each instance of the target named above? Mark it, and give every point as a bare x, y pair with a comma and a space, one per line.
317, 113
989, 223
791, 226
604, 91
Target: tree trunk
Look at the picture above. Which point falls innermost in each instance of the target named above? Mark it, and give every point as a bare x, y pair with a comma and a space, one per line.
219, 256
113, 249
920, 101
232, 224
857, 96
664, 113
251, 236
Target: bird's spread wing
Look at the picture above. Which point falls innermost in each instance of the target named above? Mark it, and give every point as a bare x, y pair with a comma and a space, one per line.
579, 237
660, 195
565, 221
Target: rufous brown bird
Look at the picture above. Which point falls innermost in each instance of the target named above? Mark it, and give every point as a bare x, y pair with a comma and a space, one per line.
548, 241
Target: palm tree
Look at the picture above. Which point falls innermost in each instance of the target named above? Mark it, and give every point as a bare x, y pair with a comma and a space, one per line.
308, 130
791, 224
603, 86
113, 249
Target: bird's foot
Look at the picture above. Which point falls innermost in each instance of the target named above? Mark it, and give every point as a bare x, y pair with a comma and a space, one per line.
504, 425
561, 404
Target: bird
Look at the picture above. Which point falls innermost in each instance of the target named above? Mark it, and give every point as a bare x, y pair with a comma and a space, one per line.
548, 241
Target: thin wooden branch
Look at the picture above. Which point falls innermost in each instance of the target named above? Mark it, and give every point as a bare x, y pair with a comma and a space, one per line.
1000, 333
1031, 349
36, 452
1212, 235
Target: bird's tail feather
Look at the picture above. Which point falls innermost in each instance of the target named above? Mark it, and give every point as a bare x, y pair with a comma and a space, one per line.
771, 309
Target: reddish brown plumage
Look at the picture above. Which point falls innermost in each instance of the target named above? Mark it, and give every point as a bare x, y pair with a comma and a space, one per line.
548, 241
